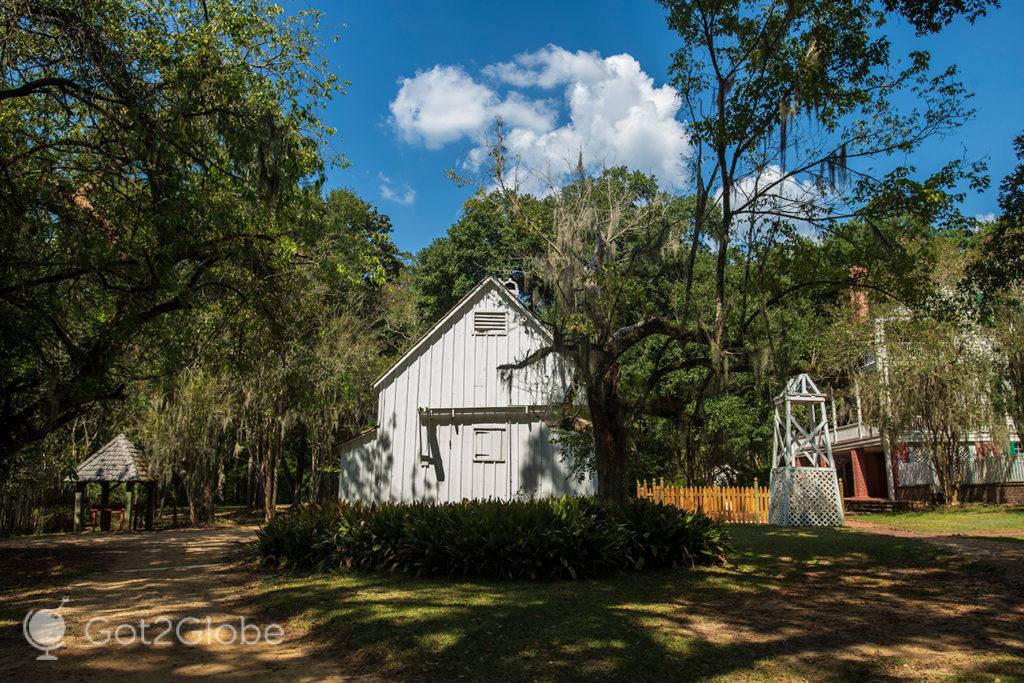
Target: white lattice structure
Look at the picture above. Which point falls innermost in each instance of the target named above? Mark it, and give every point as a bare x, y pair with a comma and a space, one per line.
804, 486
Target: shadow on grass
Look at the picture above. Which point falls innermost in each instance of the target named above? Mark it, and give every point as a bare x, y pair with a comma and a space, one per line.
1012, 541
819, 604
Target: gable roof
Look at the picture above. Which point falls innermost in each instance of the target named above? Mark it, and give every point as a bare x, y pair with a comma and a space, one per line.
118, 460
459, 309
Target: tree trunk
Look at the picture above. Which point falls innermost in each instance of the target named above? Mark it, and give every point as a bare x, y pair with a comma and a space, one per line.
944, 460
220, 479
269, 485
955, 470
286, 474
250, 488
300, 467
694, 433
174, 502
611, 440
193, 505
205, 507
198, 486
314, 473
271, 461
950, 487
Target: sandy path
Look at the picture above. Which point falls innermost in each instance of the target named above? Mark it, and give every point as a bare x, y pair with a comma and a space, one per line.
1001, 551
156, 577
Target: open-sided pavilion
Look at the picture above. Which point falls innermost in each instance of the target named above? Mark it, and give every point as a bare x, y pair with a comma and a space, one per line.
118, 463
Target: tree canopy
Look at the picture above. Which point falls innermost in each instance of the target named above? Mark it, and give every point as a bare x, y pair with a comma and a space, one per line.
154, 158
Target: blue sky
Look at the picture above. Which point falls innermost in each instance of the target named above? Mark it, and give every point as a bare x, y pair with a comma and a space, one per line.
399, 158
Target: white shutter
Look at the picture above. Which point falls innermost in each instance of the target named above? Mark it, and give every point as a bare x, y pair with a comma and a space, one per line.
489, 444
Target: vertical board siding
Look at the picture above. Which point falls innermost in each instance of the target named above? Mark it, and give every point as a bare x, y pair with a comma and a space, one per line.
459, 369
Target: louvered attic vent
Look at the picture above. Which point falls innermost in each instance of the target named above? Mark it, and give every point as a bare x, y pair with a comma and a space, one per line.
488, 322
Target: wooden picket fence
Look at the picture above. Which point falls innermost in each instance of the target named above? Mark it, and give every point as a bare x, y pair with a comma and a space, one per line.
740, 504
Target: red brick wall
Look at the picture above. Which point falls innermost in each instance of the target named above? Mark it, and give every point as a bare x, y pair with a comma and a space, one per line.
860, 485
919, 493
993, 493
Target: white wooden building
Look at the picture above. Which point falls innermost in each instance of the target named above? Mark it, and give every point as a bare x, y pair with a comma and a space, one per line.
451, 425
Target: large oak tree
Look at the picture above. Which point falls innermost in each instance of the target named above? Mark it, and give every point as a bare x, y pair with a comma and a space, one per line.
153, 158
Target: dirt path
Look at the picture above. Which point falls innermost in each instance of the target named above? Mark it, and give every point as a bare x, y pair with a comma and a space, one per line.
1003, 552
161, 578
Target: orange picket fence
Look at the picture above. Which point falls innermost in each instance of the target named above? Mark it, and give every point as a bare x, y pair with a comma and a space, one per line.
741, 504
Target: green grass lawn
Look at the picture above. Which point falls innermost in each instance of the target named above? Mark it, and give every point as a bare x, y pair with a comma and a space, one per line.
965, 519
817, 604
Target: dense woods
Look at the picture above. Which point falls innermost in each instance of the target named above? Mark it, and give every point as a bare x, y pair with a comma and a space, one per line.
172, 265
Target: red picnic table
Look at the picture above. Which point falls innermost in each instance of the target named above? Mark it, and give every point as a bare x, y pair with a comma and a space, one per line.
111, 508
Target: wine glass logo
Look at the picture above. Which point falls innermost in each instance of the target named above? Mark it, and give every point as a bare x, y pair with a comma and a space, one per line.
44, 630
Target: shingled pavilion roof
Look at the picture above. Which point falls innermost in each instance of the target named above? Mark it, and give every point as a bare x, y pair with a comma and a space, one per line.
119, 460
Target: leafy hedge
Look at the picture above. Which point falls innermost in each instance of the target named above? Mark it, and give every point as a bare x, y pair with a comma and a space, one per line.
541, 539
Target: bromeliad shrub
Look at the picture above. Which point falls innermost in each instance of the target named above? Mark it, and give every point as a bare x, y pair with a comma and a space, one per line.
537, 539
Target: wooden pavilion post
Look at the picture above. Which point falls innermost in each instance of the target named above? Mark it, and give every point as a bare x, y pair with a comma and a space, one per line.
81, 505
105, 502
129, 511
150, 504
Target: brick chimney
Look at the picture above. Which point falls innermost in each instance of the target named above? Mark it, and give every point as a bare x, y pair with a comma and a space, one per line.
858, 296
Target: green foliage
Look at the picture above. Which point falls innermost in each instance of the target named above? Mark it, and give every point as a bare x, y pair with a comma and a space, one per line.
998, 265
355, 240
537, 539
1011, 189
995, 281
484, 241
928, 16
155, 156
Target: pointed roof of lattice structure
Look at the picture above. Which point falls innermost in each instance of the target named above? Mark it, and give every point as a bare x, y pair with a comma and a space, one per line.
119, 460
801, 389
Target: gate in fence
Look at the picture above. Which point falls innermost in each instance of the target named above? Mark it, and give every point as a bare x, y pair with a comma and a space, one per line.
740, 504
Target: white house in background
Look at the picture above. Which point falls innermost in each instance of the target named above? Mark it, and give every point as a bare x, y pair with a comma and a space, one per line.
451, 425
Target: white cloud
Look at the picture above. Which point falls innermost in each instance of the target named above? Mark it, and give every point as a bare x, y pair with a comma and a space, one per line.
548, 67
986, 217
614, 114
767, 196
440, 106
445, 104
405, 196
518, 111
